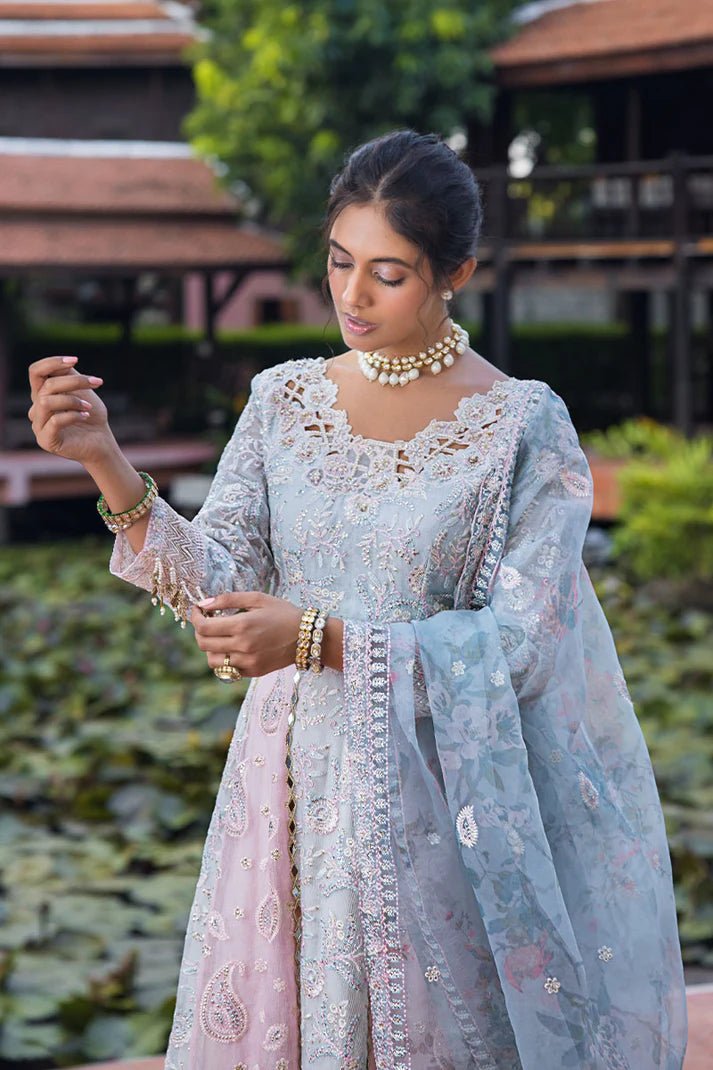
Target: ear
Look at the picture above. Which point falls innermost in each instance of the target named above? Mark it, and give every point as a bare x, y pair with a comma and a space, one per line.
461, 275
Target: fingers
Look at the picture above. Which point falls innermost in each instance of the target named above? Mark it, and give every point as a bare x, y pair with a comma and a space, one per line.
245, 664
47, 404
233, 600
44, 371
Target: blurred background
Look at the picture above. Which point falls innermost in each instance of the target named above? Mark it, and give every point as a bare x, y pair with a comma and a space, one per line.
163, 173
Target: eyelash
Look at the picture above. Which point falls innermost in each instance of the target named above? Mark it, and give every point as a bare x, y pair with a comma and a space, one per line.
386, 282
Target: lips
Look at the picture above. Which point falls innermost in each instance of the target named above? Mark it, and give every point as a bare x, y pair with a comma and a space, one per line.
354, 321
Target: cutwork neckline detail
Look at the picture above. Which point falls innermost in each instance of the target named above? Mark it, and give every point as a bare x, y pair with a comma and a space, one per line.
448, 427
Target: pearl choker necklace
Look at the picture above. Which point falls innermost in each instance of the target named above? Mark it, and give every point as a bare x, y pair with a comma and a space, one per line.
399, 371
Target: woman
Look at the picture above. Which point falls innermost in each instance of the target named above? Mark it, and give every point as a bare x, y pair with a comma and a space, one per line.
452, 822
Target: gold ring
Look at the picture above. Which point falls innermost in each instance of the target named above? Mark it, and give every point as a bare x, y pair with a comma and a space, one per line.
227, 672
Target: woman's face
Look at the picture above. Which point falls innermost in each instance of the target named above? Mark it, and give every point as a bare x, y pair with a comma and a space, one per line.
373, 279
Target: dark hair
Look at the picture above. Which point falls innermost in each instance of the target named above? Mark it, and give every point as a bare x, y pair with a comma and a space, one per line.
428, 195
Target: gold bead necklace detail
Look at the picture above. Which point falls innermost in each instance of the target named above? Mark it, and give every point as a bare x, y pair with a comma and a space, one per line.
400, 371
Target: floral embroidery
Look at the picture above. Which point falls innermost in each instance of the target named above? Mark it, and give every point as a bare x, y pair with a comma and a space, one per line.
605, 953
458, 668
497, 678
552, 985
432, 974
246, 862
576, 483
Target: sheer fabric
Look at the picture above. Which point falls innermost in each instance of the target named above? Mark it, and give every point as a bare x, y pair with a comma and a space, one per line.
482, 853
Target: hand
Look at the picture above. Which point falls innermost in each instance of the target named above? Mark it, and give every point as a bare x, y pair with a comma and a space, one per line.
68, 418
259, 640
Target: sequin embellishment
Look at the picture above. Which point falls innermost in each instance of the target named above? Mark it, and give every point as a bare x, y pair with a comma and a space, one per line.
605, 953
268, 916
432, 974
223, 1016
552, 985
236, 812
590, 795
467, 827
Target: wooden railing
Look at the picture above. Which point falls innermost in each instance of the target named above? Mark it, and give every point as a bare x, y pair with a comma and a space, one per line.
646, 199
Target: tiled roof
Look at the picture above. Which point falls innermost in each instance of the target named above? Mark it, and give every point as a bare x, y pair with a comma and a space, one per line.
50, 177
600, 38
102, 244
67, 33
119, 209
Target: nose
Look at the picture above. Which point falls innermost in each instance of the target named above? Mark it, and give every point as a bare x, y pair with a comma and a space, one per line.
354, 294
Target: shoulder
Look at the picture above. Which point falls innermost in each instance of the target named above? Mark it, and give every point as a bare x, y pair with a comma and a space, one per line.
544, 411
279, 375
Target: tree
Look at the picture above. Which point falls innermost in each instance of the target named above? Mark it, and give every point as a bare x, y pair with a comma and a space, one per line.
285, 90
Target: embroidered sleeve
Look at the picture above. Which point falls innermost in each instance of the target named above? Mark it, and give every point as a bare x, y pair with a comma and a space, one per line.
538, 582
226, 547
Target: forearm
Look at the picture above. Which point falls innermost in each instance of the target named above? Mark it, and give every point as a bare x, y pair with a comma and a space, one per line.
122, 487
332, 643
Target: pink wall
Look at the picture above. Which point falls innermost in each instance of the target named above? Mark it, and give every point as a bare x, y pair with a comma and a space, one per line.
242, 310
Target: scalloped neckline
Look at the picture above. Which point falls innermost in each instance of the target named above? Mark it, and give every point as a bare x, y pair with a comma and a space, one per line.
479, 396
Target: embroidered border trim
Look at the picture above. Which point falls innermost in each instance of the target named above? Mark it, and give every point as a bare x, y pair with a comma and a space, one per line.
491, 517
366, 672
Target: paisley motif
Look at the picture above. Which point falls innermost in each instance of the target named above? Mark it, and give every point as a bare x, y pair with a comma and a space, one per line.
590, 795
466, 827
216, 926
576, 484
271, 709
275, 1037
268, 916
235, 816
223, 1016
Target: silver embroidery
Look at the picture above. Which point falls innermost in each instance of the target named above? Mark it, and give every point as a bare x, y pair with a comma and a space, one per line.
223, 1016
466, 827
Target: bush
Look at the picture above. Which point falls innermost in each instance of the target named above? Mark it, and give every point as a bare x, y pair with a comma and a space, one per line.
665, 524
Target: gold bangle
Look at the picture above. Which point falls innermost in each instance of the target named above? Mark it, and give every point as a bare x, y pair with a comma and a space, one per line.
117, 522
304, 638
315, 650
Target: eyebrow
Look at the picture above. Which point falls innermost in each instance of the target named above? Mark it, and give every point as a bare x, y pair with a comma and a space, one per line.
374, 259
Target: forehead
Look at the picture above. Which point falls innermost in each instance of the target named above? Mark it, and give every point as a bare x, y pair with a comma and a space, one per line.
364, 231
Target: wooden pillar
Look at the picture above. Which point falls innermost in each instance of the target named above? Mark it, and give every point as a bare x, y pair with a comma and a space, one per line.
640, 341
128, 309
499, 339
680, 319
209, 311
4, 363
4, 397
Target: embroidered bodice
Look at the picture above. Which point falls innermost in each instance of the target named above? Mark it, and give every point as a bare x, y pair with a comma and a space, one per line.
365, 528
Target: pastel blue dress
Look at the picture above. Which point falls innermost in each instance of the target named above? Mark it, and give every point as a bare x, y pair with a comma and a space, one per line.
483, 862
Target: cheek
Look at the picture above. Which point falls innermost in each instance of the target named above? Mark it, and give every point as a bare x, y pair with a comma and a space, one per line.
335, 283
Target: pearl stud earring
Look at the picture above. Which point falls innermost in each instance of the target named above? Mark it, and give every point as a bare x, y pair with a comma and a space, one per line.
446, 294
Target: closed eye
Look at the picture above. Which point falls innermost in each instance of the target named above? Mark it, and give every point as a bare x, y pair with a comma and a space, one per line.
342, 265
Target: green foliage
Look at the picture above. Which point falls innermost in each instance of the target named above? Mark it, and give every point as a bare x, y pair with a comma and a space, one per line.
639, 438
665, 655
665, 527
113, 735
286, 89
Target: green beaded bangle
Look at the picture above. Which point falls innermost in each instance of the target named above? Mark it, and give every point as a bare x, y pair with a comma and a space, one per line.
117, 522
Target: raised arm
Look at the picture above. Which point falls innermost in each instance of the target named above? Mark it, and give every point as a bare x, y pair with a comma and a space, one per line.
226, 547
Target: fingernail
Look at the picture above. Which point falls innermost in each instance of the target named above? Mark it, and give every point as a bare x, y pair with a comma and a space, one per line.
86, 404
95, 380
69, 360
85, 415
206, 602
